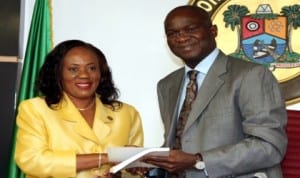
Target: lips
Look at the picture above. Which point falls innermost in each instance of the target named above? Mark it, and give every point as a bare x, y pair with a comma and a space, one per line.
86, 85
185, 46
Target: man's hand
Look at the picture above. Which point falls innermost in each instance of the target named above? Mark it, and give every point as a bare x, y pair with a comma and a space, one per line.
141, 171
176, 161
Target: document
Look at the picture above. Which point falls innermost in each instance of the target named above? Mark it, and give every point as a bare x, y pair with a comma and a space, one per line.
128, 157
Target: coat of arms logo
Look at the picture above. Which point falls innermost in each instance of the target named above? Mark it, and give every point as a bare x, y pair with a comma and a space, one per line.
262, 35
265, 35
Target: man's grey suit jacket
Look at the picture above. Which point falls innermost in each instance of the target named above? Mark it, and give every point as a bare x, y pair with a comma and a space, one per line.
237, 121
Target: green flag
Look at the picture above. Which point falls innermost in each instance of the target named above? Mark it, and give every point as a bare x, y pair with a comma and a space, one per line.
39, 43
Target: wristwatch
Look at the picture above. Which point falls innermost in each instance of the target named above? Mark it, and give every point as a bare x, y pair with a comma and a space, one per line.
199, 163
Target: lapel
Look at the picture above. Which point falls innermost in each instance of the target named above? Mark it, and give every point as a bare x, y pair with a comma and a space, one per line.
104, 118
209, 88
68, 112
175, 88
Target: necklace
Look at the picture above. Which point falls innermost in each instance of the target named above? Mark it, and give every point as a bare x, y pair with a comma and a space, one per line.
88, 107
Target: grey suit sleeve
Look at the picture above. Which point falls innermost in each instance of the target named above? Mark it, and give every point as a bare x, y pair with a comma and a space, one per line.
264, 110
264, 118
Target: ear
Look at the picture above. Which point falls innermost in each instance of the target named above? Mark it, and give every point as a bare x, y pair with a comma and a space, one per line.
214, 30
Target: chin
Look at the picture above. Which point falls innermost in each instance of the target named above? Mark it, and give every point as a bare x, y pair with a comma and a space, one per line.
192, 55
190, 58
85, 95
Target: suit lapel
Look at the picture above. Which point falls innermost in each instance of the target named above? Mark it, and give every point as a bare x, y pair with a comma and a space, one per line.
83, 129
173, 102
209, 88
69, 113
103, 121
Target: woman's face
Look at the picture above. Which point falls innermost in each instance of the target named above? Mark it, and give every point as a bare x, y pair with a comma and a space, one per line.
80, 73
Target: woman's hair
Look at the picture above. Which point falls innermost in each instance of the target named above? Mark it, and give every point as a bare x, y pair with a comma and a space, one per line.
49, 81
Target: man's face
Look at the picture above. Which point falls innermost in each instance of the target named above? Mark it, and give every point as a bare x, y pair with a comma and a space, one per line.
188, 37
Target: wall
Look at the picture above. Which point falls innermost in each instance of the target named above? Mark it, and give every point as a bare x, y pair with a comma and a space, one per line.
130, 33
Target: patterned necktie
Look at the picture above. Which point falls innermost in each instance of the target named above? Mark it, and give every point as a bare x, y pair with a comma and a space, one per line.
191, 93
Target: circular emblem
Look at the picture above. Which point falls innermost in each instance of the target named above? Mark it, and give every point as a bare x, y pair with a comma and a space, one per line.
261, 32
252, 26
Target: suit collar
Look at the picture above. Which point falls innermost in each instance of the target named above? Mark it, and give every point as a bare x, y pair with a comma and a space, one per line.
68, 112
205, 63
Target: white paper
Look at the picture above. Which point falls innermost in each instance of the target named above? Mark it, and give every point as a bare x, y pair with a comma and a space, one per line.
128, 157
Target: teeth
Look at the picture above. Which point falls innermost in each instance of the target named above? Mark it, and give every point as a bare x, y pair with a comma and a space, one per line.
187, 48
83, 85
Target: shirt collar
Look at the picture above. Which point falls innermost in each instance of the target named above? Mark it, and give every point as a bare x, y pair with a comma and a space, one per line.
206, 63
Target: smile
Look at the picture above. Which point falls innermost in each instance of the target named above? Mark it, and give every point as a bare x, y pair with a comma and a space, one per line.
84, 85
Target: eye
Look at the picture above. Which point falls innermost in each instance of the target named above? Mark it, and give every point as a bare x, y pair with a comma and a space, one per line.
171, 34
73, 69
192, 29
92, 68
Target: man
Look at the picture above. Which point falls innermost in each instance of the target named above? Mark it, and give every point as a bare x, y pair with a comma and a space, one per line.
236, 126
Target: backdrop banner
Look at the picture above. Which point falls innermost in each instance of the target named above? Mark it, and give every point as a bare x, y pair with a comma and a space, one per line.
263, 32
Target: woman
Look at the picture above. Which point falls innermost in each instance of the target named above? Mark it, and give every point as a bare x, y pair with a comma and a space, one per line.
65, 132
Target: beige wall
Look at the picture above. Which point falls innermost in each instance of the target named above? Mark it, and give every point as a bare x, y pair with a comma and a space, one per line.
8, 59
130, 33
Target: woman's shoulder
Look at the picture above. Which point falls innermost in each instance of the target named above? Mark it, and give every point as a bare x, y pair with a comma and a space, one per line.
122, 107
128, 106
36, 101
128, 111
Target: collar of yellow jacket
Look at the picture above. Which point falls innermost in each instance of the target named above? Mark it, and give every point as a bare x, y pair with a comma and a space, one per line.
102, 119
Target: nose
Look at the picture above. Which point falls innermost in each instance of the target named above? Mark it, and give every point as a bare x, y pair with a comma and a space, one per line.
182, 36
83, 73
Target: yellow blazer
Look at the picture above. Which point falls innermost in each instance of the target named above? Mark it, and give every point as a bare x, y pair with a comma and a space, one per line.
48, 140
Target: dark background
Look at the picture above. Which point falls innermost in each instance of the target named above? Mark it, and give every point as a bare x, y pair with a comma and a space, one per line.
9, 27
9, 39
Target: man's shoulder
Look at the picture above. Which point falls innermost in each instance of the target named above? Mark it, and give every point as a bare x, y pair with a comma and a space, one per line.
240, 64
173, 75
238, 61
240, 67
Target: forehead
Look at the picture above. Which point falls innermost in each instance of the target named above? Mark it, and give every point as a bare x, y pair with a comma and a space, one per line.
80, 54
79, 50
181, 17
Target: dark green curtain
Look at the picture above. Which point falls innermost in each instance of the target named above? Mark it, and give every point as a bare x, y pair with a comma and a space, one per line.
39, 43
